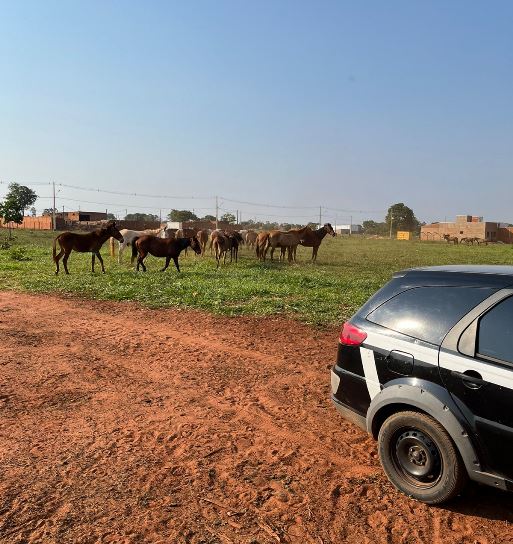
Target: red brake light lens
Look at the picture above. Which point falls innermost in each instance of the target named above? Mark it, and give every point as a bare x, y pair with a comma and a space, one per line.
351, 335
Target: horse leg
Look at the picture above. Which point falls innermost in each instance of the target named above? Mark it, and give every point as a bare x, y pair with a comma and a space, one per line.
272, 253
168, 259
100, 259
57, 259
140, 260
175, 259
314, 253
122, 246
65, 260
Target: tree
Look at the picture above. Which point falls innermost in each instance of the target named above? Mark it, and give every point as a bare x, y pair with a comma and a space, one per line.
49, 211
182, 215
111, 216
228, 217
402, 218
141, 217
208, 218
17, 200
33, 211
371, 227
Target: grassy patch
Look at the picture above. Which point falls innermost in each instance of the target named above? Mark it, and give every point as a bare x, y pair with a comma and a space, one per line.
348, 271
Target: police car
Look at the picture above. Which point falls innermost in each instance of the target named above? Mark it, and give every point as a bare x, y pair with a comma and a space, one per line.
426, 367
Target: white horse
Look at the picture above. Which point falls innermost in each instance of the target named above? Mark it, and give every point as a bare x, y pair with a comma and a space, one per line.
130, 235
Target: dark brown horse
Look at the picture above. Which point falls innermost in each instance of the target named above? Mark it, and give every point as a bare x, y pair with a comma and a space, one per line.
162, 247
313, 238
83, 243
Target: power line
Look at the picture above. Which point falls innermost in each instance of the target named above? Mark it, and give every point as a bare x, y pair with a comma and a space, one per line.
177, 197
174, 197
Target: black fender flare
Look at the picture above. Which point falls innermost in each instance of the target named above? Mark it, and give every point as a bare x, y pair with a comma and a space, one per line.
434, 400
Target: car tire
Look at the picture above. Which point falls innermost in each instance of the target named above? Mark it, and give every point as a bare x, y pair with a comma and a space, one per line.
420, 458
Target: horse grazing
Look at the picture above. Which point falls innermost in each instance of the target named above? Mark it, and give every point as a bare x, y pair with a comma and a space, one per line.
130, 235
285, 239
450, 239
314, 238
203, 235
83, 243
170, 248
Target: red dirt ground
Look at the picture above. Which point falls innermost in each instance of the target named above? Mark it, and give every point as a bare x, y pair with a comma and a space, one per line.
122, 424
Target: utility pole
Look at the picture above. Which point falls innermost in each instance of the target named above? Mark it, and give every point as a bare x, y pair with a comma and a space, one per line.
217, 213
54, 221
320, 216
350, 225
391, 219
160, 216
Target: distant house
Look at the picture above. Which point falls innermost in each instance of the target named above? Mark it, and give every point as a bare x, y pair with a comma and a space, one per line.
82, 216
468, 226
348, 229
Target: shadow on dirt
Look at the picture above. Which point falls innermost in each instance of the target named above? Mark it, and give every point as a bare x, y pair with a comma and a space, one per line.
484, 502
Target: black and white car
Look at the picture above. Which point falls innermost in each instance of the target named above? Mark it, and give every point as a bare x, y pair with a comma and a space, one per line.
426, 367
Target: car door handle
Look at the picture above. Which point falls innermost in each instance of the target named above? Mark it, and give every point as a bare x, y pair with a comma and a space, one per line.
470, 378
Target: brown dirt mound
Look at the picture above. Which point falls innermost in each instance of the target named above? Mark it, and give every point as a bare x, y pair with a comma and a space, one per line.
122, 424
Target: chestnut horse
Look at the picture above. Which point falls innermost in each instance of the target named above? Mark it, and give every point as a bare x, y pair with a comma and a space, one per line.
313, 238
261, 245
285, 239
83, 243
203, 236
162, 247
250, 238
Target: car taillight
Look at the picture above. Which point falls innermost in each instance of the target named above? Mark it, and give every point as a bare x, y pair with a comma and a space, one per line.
352, 335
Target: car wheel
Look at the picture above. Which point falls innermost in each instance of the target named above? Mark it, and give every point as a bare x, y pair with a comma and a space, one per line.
420, 458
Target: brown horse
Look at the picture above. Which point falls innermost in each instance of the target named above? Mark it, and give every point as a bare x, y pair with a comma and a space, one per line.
314, 238
448, 238
285, 239
162, 247
251, 237
202, 236
83, 243
261, 245
222, 242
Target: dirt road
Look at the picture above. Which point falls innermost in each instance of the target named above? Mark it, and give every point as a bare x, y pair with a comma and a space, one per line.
122, 424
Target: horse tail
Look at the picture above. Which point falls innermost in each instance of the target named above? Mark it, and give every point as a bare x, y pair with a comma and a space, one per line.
112, 248
54, 249
134, 249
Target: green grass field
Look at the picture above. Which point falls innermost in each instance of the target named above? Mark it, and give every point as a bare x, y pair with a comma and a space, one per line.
347, 272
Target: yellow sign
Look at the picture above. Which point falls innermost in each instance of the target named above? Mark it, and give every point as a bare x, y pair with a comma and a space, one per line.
403, 235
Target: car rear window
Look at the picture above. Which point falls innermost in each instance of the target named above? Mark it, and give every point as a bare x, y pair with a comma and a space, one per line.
428, 313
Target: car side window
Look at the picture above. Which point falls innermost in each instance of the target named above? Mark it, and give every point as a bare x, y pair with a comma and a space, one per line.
495, 332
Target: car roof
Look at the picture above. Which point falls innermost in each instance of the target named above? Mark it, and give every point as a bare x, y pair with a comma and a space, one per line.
464, 274
501, 269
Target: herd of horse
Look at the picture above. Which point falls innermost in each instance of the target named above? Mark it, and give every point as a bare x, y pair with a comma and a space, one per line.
168, 244
465, 240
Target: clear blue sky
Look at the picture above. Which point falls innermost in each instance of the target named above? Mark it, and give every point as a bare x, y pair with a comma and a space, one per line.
348, 105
